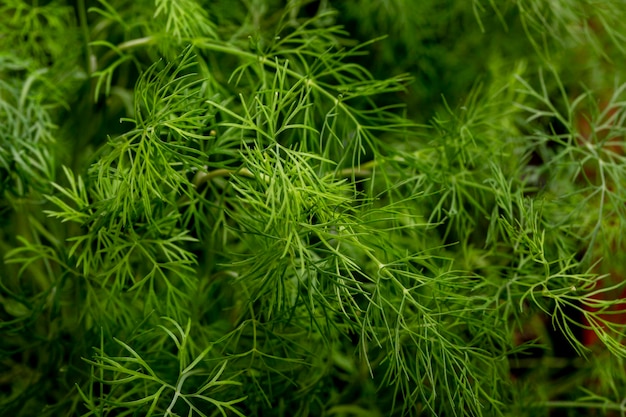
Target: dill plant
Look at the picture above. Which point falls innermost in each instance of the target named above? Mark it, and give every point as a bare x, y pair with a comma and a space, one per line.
268, 208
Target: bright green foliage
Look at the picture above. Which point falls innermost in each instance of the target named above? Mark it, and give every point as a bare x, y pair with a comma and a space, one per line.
270, 208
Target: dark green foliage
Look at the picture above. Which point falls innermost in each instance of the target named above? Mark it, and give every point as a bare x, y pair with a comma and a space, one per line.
362, 208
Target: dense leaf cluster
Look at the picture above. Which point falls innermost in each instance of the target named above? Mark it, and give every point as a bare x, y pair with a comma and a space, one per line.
269, 208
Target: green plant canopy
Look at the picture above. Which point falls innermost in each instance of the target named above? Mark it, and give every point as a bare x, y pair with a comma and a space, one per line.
312, 208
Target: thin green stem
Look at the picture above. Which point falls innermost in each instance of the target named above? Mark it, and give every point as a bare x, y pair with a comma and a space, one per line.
605, 406
84, 26
202, 177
